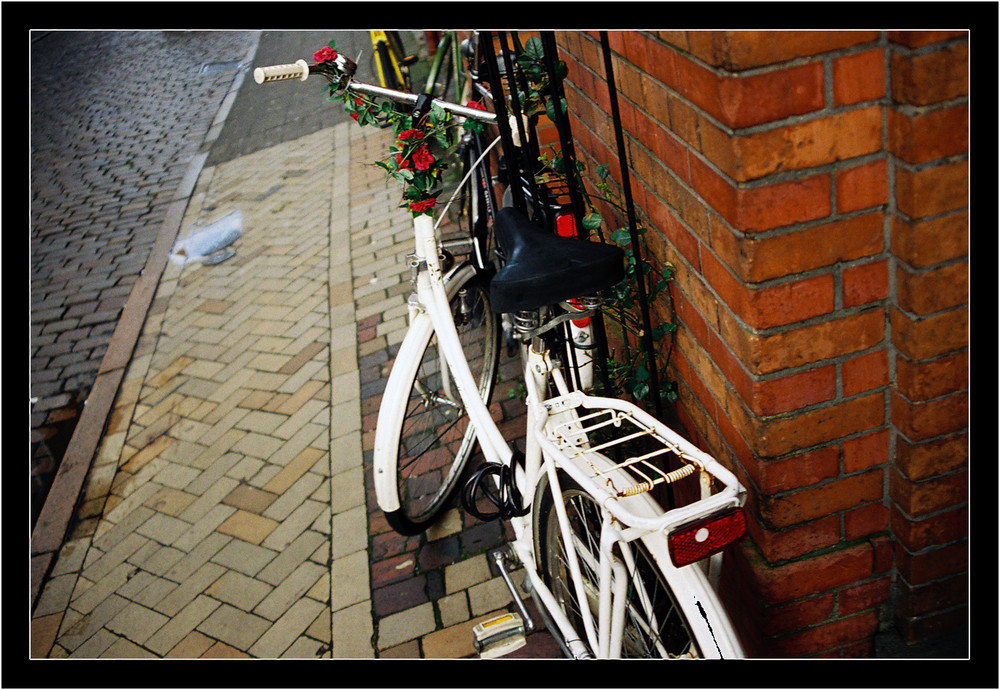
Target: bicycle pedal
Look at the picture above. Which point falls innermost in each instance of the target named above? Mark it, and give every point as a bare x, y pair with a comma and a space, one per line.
499, 636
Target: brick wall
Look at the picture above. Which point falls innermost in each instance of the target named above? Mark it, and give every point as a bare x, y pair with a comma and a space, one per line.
811, 188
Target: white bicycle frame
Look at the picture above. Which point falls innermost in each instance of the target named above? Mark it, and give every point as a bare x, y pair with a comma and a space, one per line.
555, 442
625, 519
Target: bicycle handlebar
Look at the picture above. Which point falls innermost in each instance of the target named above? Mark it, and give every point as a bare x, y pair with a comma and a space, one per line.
301, 70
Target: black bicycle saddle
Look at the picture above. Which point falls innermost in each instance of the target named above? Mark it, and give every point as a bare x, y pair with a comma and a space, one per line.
543, 268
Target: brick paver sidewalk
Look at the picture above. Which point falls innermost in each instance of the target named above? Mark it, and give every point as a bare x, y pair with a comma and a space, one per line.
228, 511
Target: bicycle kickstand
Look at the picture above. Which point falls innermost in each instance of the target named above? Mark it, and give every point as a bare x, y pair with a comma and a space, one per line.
503, 634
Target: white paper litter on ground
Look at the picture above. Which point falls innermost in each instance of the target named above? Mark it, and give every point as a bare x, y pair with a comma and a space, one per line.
205, 245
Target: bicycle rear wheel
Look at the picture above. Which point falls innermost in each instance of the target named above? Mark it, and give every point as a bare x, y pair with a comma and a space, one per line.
655, 626
435, 438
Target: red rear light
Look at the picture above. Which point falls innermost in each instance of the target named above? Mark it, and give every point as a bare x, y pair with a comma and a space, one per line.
701, 539
566, 225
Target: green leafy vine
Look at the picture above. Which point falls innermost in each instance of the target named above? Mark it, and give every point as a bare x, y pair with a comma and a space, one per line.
627, 366
416, 158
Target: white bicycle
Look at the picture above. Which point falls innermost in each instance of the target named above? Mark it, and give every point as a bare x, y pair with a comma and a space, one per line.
613, 574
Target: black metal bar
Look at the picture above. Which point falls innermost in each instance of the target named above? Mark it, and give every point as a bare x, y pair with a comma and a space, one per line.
527, 163
550, 50
500, 106
647, 338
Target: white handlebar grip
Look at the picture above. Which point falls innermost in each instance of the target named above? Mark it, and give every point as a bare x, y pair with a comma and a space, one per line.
299, 69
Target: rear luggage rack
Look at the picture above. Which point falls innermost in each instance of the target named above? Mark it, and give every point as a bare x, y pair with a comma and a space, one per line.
620, 453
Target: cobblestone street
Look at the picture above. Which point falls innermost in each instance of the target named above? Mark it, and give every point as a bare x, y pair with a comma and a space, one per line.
112, 139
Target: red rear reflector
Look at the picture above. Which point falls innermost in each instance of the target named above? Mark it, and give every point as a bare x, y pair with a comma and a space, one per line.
579, 323
701, 539
566, 225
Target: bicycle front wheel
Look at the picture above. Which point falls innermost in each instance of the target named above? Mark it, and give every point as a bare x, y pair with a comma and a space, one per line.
430, 437
655, 625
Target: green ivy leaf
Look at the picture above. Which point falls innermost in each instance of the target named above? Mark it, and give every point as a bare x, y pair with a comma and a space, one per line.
592, 221
640, 391
621, 237
534, 49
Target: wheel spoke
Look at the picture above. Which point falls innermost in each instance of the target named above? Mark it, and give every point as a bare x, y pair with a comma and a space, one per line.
654, 626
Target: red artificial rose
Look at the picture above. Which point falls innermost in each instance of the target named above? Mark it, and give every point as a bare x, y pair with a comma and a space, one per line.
410, 134
401, 163
421, 206
325, 54
475, 105
422, 158
358, 102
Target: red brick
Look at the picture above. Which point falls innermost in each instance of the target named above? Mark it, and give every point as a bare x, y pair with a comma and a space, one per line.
766, 207
929, 78
683, 239
864, 596
683, 120
931, 336
807, 576
739, 50
926, 243
765, 354
866, 520
745, 101
924, 460
796, 541
806, 469
926, 136
931, 495
933, 191
859, 77
661, 63
819, 141
796, 615
933, 564
925, 627
866, 451
773, 306
795, 391
865, 373
780, 435
931, 291
664, 145
701, 365
935, 596
791, 302
923, 420
828, 636
865, 283
392, 569
822, 500
690, 318
931, 379
862, 187
918, 39
941, 528
753, 258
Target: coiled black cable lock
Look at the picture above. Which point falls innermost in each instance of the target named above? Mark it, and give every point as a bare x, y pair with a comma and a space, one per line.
495, 482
